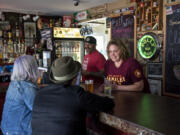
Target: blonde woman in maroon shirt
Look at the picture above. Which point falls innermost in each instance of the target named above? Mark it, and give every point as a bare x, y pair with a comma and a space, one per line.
125, 72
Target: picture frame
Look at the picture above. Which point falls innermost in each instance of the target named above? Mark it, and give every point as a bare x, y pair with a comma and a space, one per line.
29, 29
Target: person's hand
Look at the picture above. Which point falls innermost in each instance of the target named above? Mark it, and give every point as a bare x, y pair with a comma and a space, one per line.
114, 86
100, 89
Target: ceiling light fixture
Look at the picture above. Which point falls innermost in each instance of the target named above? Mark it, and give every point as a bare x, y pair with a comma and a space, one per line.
35, 18
26, 17
76, 2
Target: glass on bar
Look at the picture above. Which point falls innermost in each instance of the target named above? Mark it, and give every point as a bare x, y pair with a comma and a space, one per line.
89, 86
107, 86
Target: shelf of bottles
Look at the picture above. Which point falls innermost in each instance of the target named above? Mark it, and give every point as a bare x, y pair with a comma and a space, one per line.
149, 15
11, 42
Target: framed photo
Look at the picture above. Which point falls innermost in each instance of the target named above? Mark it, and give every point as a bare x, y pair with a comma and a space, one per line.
29, 29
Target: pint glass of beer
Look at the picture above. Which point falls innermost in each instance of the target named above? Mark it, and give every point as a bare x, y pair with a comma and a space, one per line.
91, 86
87, 85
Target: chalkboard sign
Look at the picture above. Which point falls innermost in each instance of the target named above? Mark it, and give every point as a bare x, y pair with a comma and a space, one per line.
172, 54
123, 28
155, 70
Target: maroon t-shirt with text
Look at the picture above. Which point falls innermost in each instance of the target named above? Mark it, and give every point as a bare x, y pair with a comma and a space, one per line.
128, 73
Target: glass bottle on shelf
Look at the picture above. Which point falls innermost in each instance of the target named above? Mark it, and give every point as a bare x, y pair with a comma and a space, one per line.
17, 30
19, 46
78, 47
23, 47
15, 46
5, 35
5, 51
51, 23
1, 31
1, 50
10, 43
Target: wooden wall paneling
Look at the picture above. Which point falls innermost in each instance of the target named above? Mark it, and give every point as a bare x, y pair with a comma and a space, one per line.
164, 47
135, 35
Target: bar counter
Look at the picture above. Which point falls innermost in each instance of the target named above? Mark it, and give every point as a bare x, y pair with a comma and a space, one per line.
144, 114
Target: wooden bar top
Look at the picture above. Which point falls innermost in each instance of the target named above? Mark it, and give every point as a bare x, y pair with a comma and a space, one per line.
144, 114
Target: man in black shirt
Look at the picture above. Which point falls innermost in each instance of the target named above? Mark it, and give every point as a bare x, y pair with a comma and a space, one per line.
61, 107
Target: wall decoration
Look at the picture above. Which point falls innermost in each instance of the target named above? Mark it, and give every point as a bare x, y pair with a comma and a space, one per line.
67, 21
79, 16
29, 33
123, 28
149, 46
46, 34
86, 30
29, 29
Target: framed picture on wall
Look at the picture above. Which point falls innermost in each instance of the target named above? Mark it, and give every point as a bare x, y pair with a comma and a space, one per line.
29, 29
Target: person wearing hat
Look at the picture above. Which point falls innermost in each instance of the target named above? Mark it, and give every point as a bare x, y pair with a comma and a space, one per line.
61, 107
93, 63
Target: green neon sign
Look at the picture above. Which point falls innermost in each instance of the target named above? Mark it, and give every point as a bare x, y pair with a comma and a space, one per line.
147, 46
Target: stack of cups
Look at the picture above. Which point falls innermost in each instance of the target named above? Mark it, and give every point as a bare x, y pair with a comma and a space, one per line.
89, 86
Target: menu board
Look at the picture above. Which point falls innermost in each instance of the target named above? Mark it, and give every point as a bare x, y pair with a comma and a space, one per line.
154, 70
172, 53
123, 28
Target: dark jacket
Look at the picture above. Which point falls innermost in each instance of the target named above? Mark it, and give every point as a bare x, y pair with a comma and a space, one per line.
61, 110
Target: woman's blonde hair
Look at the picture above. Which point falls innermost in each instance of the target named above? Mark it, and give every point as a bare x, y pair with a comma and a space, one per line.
124, 52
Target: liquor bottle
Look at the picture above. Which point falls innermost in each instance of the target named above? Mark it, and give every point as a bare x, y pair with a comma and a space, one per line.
78, 47
5, 51
1, 49
19, 46
1, 32
23, 47
51, 23
10, 44
15, 44
17, 30
5, 35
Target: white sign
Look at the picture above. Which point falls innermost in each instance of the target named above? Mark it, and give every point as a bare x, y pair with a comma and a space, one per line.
81, 16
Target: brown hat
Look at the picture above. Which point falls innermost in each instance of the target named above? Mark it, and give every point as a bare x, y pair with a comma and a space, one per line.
64, 69
90, 39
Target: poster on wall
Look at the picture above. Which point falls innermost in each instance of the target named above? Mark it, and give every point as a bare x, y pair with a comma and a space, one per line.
29, 29
29, 32
46, 34
172, 51
123, 28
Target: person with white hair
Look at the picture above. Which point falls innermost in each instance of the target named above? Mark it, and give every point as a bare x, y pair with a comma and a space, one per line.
17, 111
